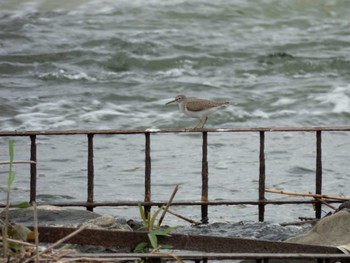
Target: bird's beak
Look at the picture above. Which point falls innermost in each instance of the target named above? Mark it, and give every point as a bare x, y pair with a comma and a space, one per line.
170, 102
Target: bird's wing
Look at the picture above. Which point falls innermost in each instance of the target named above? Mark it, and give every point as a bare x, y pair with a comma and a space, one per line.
200, 104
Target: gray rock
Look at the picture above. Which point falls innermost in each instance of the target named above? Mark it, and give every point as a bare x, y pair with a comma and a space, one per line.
345, 205
50, 216
65, 217
332, 230
107, 222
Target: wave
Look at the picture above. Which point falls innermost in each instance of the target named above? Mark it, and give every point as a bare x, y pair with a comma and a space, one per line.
63, 74
338, 97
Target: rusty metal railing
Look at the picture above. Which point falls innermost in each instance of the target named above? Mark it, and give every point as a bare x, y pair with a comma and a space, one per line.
261, 202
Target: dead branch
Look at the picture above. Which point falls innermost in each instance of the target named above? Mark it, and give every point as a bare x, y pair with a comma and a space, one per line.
184, 218
168, 204
325, 203
307, 194
58, 242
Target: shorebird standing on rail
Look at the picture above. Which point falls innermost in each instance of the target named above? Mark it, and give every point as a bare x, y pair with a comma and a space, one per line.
198, 108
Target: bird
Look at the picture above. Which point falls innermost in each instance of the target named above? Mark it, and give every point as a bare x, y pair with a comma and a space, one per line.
198, 108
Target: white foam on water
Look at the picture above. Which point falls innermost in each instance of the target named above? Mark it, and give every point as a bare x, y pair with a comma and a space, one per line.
109, 109
63, 74
339, 97
46, 107
283, 102
43, 121
261, 114
177, 72
275, 114
44, 115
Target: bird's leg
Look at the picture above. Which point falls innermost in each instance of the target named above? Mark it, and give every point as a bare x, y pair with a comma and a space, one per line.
206, 118
200, 120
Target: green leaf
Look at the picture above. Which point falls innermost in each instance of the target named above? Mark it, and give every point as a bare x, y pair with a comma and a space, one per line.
142, 247
169, 229
21, 205
11, 150
166, 246
12, 174
15, 247
153, 239
19, 232
10, 179
142, 213
161, 232
153, 219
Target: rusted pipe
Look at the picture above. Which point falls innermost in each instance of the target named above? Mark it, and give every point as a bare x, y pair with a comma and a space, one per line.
204, 208
186, 203
129, 239
33, 169
198, 256
262, 176
147, 172
204, 200
318, 206
90, 172
243, 129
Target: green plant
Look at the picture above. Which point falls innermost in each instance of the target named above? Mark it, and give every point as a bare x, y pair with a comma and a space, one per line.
155, 230
18, 232
10, 180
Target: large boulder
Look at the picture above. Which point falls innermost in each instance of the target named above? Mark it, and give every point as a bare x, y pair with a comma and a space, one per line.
331, 230
49, 215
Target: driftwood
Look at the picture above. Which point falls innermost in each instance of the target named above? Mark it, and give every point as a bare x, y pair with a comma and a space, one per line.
166, 208
318, 196
184, 218
325, 203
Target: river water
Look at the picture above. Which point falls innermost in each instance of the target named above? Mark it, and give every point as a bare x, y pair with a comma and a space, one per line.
114, 64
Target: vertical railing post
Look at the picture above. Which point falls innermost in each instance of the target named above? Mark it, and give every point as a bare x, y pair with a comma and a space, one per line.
90, 172
318, 206
204, 208
147, 172
33, 169
262, 176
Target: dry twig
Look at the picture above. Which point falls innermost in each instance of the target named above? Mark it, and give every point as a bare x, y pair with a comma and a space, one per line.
184, 218
58, 242
325, 203
307, 194
36, 232
168, 204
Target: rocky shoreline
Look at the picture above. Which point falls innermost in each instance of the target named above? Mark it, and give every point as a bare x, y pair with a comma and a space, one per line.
333, 230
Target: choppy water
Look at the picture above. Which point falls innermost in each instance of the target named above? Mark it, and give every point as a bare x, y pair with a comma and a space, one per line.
114, 64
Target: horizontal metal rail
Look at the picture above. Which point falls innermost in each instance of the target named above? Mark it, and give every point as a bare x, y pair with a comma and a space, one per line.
200, 247
185, 203
204, 202
209, 256
130, 239
114, 131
